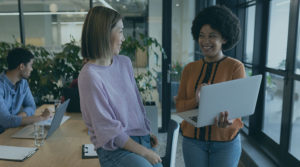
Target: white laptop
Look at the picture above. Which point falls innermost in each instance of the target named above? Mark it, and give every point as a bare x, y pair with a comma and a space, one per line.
28, 131
238, 97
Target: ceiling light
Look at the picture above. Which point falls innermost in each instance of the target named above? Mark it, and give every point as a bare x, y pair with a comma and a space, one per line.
53, 7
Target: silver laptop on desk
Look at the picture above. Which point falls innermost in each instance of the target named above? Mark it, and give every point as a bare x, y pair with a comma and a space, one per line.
28, 131
238, 97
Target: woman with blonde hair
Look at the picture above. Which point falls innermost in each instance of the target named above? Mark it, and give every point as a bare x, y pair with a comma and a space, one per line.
110, 102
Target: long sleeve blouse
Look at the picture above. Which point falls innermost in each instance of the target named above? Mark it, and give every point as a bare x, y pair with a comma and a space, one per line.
193, 75
111, 104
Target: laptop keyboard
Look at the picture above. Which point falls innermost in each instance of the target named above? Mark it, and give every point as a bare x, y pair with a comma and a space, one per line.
194, 118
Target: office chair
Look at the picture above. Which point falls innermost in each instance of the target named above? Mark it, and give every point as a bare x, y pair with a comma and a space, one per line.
73, 95
170, 157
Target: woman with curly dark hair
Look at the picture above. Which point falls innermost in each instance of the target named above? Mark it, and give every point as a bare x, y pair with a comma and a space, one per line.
216, 29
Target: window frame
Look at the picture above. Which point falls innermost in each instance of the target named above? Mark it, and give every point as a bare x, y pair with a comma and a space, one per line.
279, 153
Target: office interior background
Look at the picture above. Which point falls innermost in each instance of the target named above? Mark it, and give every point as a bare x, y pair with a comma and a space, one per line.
269, 46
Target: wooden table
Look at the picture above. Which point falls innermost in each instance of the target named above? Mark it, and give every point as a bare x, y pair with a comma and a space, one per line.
61, 149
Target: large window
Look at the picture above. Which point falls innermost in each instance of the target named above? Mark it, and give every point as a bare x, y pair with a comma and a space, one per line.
297, 69
278, 33
249, 38
295, 135
53, 23
267, 50
248, 43
276, 57
183, 13
9, 21
273, 106
248, 74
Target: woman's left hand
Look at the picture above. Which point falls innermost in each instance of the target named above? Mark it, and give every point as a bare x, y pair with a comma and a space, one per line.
223, 121
153, 141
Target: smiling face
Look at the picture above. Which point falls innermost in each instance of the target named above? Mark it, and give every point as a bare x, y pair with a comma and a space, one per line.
117, 37
210, 42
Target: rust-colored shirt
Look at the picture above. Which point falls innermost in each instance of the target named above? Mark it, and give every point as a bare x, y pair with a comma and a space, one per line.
195, 74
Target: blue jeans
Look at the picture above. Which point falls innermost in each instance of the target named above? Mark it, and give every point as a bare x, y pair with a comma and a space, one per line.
198, 153
124, 158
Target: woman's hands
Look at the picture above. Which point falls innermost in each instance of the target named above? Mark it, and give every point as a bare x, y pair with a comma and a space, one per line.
152, 157
137, 148
222, 121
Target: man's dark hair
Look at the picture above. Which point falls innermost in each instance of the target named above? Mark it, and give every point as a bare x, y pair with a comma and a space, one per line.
221, 19
17, 56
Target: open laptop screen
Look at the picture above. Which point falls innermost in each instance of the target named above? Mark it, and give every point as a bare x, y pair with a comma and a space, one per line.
59, 113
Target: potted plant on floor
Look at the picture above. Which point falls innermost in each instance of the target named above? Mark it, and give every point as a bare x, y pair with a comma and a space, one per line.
145, 86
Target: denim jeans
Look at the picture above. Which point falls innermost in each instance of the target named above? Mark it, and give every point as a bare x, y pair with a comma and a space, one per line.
124, 158
198, 153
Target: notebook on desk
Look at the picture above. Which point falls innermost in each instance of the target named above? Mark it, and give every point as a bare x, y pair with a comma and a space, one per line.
238, 97
28, 131
13, 153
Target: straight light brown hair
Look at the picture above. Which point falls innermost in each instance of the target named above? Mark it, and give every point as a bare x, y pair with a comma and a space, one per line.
96, 32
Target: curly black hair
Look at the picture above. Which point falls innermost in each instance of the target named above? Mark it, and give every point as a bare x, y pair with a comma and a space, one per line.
221, 19
17, 56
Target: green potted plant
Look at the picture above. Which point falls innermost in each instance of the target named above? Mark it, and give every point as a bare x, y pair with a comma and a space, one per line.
145, 86
144, 43
144, 80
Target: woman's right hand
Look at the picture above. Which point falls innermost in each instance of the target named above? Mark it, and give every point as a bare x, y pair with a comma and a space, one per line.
139, 149
152, 157
198, 91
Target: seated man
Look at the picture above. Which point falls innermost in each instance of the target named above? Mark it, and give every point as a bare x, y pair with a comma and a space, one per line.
17, 106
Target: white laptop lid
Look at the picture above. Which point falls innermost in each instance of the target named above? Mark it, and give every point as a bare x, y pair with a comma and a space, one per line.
238, 97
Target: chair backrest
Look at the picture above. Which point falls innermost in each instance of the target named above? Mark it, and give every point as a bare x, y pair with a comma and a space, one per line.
170, 157
73, 95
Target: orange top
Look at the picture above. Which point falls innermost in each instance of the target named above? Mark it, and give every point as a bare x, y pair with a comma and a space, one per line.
195, 74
